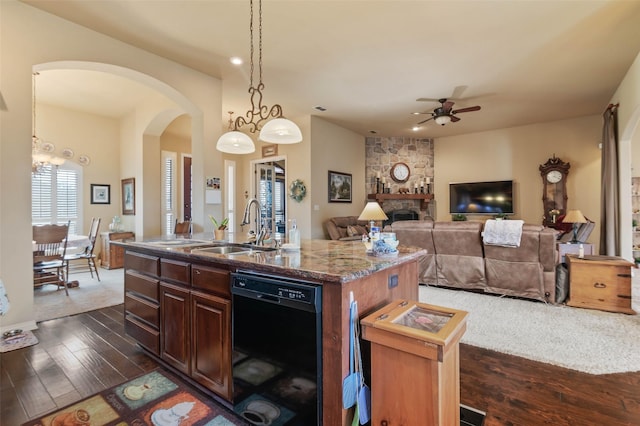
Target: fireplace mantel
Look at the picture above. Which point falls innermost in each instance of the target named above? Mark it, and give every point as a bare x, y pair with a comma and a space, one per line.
423, 198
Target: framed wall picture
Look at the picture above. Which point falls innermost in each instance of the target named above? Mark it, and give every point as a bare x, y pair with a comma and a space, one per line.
100, 194
339, 187
129, 196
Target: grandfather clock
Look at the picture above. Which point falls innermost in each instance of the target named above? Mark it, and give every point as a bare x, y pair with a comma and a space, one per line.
554, 193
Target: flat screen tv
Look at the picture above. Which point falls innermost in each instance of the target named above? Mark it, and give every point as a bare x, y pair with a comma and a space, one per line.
488, 198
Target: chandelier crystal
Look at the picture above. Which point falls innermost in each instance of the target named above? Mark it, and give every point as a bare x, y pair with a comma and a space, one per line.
260, 117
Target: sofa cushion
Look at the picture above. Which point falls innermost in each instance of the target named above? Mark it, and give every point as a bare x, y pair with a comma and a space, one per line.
522, 279
458, 238
337, 228
417, 233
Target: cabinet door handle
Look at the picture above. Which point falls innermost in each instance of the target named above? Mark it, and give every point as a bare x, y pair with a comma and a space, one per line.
600, 285
197, 271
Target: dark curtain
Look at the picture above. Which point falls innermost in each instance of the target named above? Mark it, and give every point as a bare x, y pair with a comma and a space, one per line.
610, 198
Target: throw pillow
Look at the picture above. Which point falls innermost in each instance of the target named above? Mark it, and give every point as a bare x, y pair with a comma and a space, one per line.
352, 231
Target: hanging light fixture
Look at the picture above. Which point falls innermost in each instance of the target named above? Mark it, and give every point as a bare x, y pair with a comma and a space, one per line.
40, 156
278, 129
235, 142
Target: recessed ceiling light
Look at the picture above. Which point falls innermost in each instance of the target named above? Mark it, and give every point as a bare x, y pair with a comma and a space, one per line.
320, 108
415, 113
373, 132
415, 128
236, 60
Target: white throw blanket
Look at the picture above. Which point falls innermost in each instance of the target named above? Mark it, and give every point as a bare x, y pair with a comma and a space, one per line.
505, 233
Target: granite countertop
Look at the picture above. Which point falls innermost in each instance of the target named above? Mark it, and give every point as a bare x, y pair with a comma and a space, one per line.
324, 260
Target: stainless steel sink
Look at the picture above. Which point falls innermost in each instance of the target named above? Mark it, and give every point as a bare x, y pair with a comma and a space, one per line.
222, 249
176, 243
232, 249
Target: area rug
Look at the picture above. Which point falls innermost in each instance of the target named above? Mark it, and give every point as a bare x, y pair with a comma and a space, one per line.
586, 340
21, 339
51, 303
157, 398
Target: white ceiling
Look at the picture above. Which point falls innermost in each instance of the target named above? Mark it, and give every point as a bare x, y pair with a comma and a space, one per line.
367, 62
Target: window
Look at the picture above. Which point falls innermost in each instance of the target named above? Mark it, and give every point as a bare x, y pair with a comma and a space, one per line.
169, 213
56, 196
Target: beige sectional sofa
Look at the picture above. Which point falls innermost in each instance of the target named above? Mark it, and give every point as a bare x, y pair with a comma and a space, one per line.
457, 257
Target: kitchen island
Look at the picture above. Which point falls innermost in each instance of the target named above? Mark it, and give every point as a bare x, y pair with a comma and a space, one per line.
178, 302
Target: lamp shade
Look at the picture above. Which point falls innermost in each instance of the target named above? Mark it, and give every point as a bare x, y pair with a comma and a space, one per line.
235, 143
373, 211
574, 216
443, 119
280, 130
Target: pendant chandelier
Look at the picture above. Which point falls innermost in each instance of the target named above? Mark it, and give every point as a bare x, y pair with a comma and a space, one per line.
277, 130
40, 151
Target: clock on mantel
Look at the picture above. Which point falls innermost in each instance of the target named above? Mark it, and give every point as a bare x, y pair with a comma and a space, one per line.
554, 193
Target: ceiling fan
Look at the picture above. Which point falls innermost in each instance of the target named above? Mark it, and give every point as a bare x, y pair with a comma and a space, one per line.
445, 113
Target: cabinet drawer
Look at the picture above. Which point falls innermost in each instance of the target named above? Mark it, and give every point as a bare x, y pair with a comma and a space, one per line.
141, 284
143, 263
142, 333
142, 308
211, 279
175, 270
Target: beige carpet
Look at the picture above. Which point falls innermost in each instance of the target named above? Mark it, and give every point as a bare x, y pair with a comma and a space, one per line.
586, 340
91, 294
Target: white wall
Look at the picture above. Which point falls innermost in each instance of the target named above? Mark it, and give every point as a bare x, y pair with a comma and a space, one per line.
516, 153
92, 135
30, 38
337, 149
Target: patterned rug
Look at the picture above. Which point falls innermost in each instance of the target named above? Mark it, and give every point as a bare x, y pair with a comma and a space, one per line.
158, 398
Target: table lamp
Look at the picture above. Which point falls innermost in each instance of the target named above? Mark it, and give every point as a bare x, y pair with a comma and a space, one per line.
574, 217
372, 212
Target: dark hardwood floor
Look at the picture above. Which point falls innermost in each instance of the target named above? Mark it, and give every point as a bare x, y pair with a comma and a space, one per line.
80, 355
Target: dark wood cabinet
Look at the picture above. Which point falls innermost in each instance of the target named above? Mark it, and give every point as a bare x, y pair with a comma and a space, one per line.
211, 343
175, 327
181, 312
113, 255
141, 302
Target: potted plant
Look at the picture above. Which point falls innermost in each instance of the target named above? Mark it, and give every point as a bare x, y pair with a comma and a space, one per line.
219, 228
458, 217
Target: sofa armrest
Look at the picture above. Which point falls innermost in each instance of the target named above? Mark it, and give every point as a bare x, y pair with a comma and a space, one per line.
548, 249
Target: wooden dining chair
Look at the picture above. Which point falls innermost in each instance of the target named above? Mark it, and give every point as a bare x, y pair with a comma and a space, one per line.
85, 261
49, 265
182, 227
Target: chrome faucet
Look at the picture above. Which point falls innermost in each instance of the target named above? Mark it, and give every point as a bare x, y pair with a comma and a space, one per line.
261, 232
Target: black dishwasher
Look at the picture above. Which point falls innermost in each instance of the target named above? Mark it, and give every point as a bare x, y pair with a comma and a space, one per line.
277, 349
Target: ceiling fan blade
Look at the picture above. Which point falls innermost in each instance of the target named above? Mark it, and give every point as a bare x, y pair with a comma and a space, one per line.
424, 121
457, 92
468, 109
454, 118
428, 100
447, 105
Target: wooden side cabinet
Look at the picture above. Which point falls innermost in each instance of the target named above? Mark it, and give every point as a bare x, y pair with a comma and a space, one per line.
415, 363
112, 255
600, 282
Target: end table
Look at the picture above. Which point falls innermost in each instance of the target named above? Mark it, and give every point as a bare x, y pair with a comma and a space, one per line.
572, 248
600, 282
